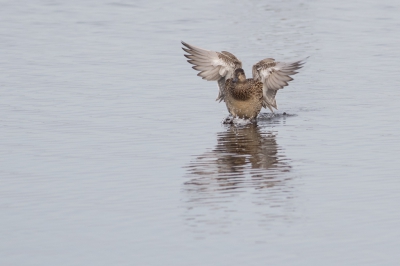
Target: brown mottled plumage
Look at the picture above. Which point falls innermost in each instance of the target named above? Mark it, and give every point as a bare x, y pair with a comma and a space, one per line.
244, 98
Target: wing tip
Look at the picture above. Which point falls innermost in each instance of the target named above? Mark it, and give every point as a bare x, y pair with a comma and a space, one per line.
188, 46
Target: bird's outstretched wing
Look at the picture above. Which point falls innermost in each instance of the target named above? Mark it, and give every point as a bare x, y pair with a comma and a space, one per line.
212, 65
274, 76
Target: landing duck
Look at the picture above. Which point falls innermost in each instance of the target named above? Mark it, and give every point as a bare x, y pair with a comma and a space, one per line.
243, 97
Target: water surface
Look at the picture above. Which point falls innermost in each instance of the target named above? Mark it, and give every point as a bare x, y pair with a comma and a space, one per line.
113, 151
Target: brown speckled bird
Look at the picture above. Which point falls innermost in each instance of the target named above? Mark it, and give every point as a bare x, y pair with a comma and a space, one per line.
244, 98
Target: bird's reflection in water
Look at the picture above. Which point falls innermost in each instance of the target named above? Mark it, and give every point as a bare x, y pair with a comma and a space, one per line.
247, 165
243, 157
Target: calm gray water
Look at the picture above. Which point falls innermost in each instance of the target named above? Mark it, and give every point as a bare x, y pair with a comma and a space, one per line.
113, 152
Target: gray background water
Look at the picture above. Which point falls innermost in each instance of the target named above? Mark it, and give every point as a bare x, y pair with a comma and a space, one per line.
113, 152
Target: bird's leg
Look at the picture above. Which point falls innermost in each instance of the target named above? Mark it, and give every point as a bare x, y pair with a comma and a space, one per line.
228, 120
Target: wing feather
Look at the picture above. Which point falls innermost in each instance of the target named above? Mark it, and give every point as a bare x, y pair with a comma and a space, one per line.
212, 65
201, 68
274, 76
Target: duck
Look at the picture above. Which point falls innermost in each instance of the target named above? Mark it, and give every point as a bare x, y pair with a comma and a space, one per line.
244, 97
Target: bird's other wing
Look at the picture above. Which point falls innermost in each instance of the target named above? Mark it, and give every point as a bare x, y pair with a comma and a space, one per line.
274, 76
218, 66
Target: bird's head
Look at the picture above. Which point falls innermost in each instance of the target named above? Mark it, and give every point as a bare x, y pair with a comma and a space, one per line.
239, 76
